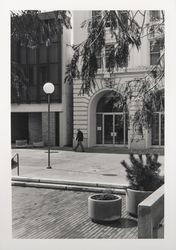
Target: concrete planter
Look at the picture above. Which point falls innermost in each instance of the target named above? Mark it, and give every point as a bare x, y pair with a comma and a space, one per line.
38, 144
104, 207
133, 198
21, 143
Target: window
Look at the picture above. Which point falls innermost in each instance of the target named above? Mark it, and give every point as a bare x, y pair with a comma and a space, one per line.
39, 64
42, 53
96, 14
32, 74
108, 103
99, 60
124, 18
22, 57
158, 129
106, 59
53, 73
108, 50
158, 123
53, 53
108, 22
154, 15
43, 74
32, 56
155, 51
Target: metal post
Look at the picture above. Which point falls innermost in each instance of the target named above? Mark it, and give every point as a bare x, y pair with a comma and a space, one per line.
49, 131
48, 88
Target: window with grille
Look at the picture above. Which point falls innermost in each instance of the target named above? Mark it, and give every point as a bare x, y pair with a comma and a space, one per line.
108, 21
96, 15
158, 122
154, 15
105, 59
108, 50
99, 59
124, 18
155, 52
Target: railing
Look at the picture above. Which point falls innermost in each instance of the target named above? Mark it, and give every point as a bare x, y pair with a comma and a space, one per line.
15, 163
150, 214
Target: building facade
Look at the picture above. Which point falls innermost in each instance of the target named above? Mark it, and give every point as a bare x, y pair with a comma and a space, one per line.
94, 114
29, 110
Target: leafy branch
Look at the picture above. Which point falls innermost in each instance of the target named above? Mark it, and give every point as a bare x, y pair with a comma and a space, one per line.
92, 48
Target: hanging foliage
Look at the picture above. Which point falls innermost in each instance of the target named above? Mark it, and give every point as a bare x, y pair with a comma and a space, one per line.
124, 33
152, 102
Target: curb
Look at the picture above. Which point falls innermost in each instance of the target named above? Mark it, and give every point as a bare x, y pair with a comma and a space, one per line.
67, 185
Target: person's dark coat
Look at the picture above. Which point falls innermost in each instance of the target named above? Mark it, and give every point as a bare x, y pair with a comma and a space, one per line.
79, 136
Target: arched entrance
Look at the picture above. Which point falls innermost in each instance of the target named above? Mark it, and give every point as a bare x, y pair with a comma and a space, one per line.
107, 121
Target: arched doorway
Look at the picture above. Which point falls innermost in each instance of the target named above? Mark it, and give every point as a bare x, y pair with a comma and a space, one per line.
111, 121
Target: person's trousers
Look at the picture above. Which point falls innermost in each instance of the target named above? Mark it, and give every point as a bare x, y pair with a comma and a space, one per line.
79, 143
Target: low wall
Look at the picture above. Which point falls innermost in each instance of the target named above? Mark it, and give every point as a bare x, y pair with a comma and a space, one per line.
150, 214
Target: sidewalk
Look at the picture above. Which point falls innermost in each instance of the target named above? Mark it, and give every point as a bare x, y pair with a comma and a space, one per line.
96, 166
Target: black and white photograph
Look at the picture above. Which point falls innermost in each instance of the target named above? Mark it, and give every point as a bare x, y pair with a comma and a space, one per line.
87, 124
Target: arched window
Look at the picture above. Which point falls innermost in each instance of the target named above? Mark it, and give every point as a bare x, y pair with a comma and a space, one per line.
110, 102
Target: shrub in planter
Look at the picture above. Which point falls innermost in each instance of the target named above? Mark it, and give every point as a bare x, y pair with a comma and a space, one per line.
144, 178
104, 207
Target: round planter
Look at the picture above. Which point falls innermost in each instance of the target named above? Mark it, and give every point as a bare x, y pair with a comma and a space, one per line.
133, 198
104, 207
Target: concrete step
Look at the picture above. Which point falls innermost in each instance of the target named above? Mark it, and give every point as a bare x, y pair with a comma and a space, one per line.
67, 187
68, 182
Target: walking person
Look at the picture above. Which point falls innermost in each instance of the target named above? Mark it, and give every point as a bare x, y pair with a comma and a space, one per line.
79, 139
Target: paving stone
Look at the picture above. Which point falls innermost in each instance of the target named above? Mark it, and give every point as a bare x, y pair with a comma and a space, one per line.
39, 213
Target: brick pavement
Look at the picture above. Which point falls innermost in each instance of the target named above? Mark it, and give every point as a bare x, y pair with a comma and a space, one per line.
56, 214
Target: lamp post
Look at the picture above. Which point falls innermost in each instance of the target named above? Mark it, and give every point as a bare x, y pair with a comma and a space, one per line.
48, 88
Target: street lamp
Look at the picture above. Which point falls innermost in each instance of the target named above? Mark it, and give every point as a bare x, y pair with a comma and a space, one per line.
48, 88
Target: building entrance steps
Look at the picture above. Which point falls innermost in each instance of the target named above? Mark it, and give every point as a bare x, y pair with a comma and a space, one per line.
95, 168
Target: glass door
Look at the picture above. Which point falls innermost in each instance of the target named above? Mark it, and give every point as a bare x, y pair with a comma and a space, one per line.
111, 128
119, 129
108, 129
